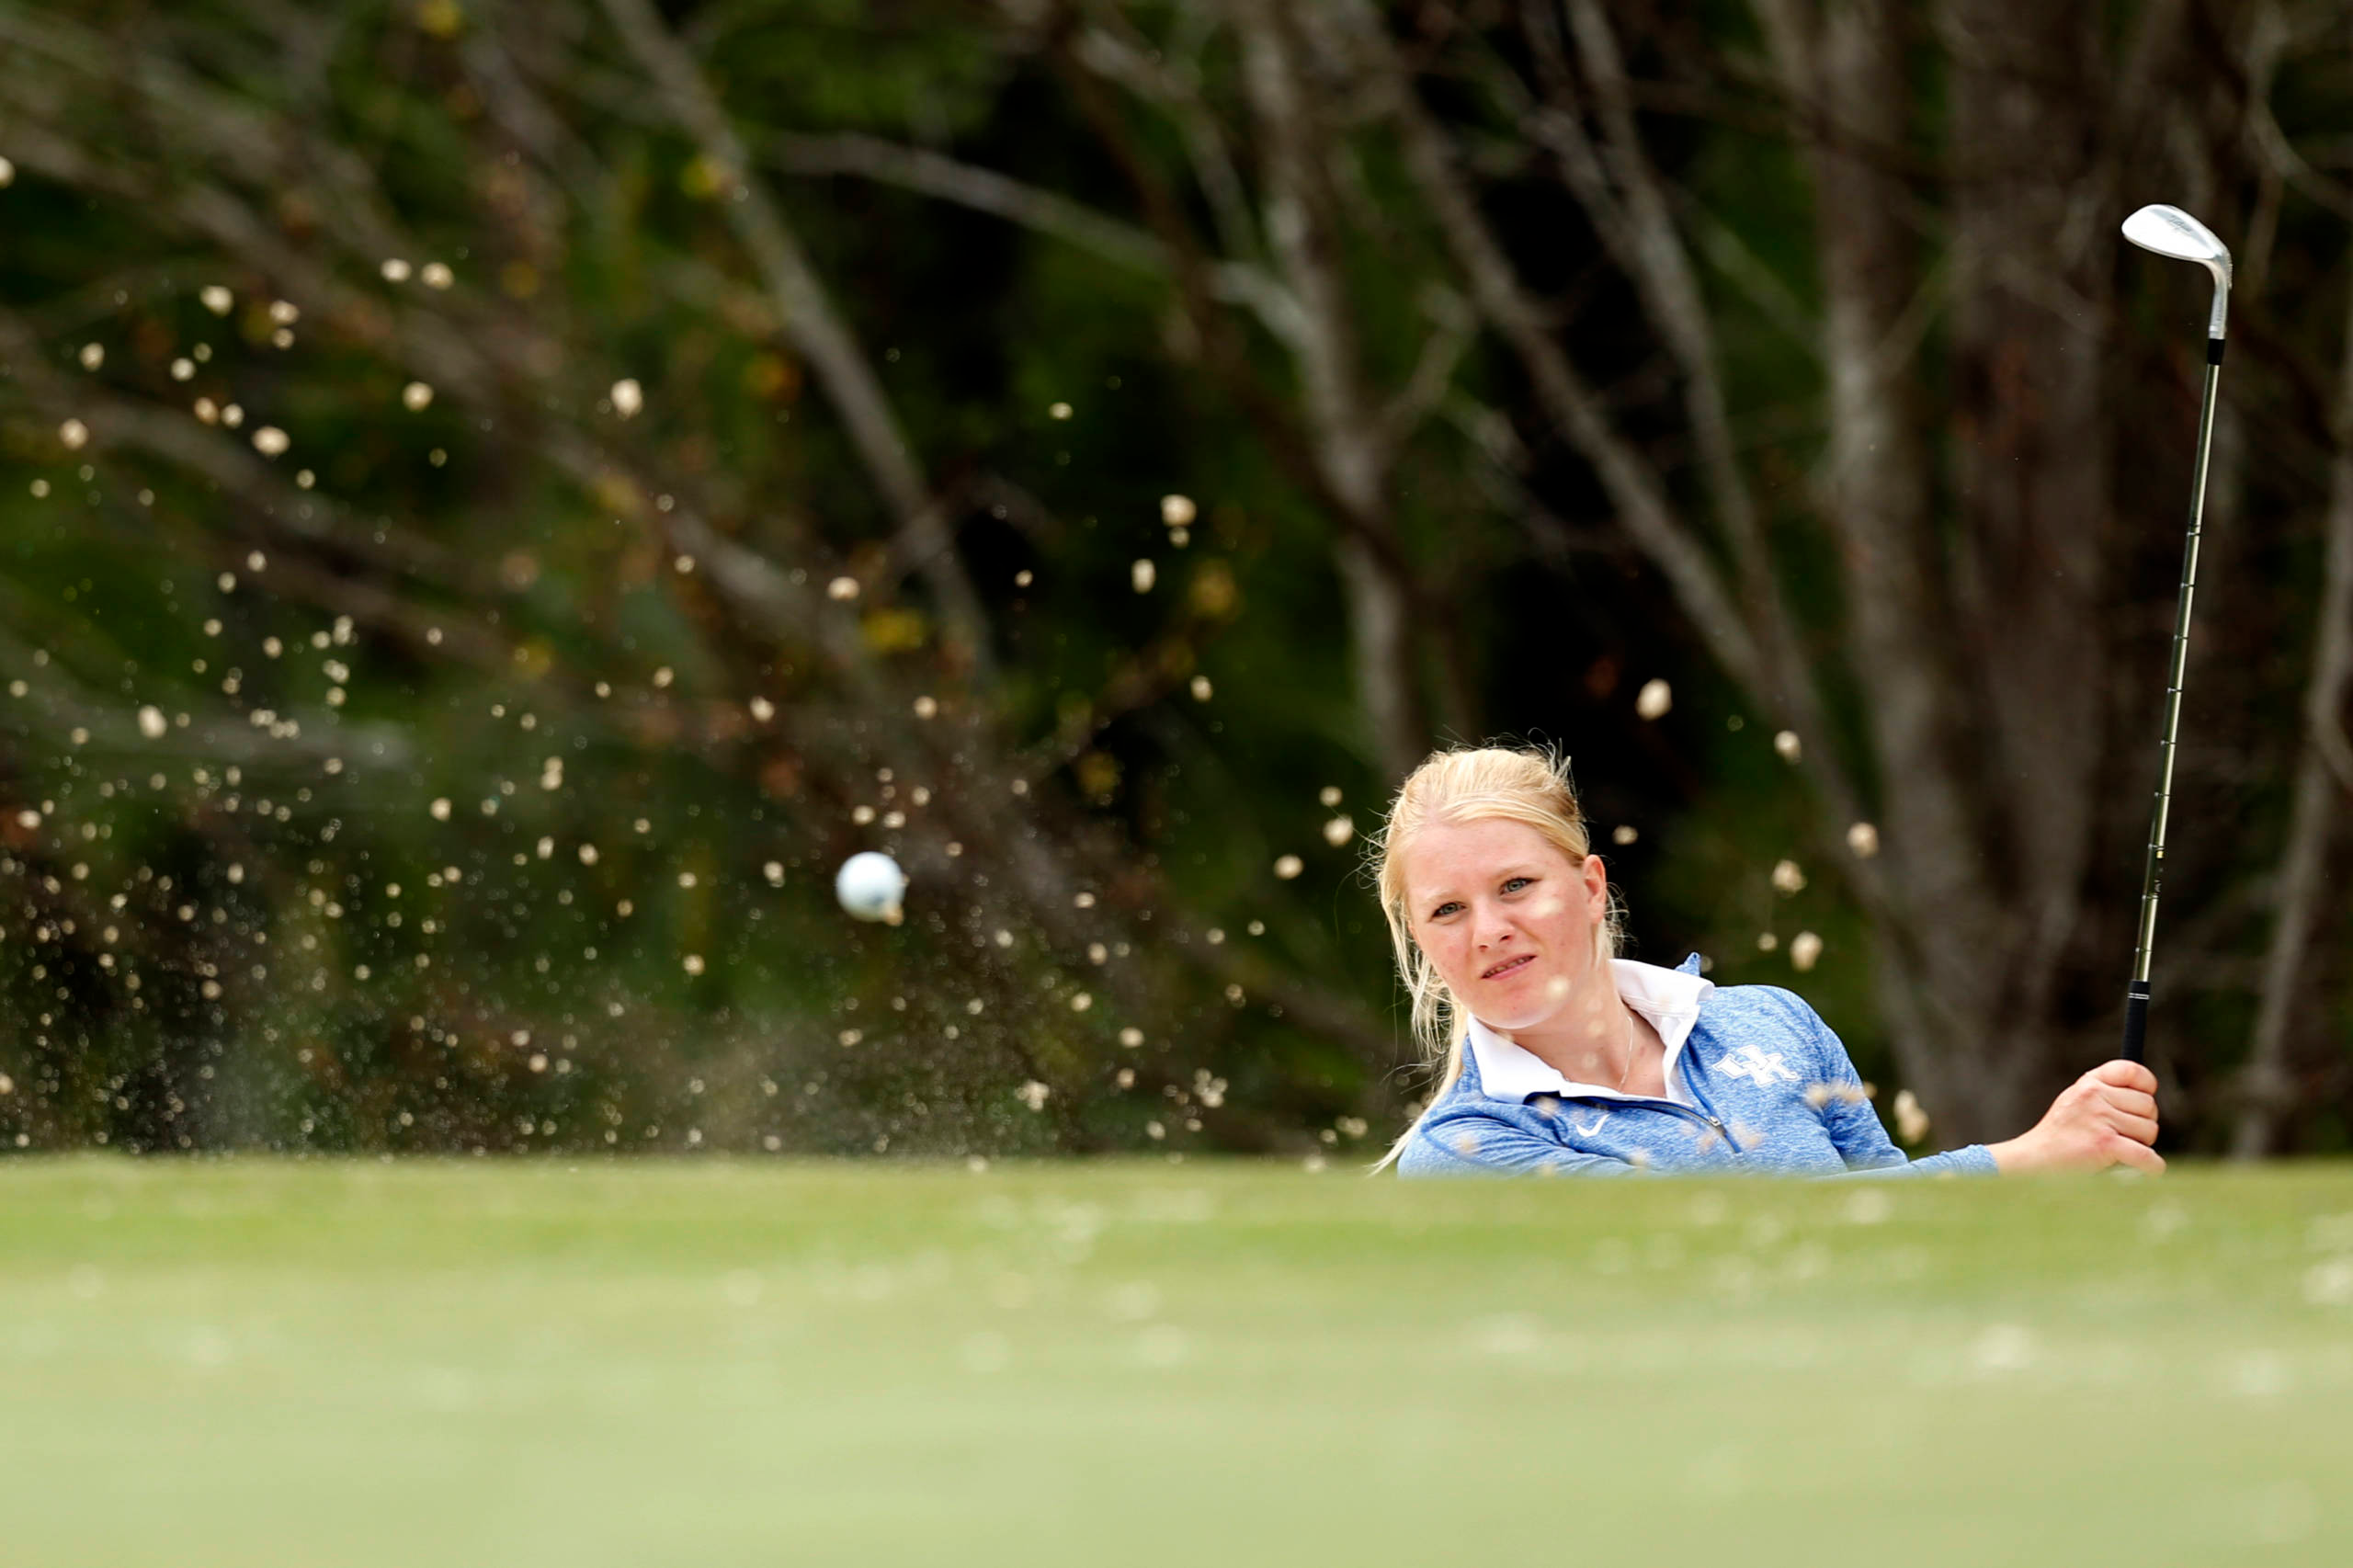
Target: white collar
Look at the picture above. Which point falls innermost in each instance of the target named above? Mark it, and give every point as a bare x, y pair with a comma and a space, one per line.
1668, 1000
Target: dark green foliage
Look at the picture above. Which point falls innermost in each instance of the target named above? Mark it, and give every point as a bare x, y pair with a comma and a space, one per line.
513, 569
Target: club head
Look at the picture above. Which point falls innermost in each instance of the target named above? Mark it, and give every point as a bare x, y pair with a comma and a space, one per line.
2169, 231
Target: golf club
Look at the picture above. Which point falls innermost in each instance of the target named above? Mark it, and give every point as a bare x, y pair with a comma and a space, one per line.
2169, 231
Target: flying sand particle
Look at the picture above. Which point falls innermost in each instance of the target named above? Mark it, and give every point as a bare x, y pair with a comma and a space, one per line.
1655, 697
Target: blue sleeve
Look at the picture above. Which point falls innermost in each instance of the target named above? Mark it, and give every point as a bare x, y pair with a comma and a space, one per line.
1854, 1126
1467, 1143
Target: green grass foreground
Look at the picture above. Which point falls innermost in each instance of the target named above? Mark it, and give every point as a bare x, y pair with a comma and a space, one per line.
261, 1363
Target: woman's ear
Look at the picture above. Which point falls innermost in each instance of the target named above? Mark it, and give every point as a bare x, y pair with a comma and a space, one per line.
1596, 905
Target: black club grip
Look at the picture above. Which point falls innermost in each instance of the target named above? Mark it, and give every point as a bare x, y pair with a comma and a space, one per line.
2136, 1018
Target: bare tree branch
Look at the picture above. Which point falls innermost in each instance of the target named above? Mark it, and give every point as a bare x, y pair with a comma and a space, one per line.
1764, 661
823, 337
983, 190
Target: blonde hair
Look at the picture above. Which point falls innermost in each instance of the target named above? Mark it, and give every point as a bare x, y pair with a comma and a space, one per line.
1530, 785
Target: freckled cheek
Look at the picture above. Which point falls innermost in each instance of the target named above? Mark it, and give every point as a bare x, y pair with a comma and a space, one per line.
1452, 963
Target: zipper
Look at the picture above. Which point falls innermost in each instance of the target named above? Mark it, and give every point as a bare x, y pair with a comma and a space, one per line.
1708, 1113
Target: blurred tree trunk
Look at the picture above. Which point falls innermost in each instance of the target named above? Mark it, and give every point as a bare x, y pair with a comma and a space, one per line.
1847, 66
1978, 611
2033, 241
2323, 779
1356, 454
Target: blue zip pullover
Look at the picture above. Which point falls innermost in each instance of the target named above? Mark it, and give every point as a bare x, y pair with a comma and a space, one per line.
1763, 1084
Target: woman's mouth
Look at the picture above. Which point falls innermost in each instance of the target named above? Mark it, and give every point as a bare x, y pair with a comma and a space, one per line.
1509, 966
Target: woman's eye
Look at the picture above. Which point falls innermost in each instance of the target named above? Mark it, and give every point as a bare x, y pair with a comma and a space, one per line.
1511, 882
1444, 909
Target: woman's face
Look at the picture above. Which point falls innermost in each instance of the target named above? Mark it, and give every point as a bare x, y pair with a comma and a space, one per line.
1506, 918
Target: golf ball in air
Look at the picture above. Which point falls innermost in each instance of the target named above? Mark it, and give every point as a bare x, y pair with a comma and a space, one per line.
870, 885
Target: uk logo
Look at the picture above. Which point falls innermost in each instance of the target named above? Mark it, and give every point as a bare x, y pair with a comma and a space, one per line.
1763, 1067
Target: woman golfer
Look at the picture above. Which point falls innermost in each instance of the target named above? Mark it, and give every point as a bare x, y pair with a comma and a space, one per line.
1555, 1057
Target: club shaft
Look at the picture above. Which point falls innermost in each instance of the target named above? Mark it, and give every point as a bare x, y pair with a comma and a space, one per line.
2152, 879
